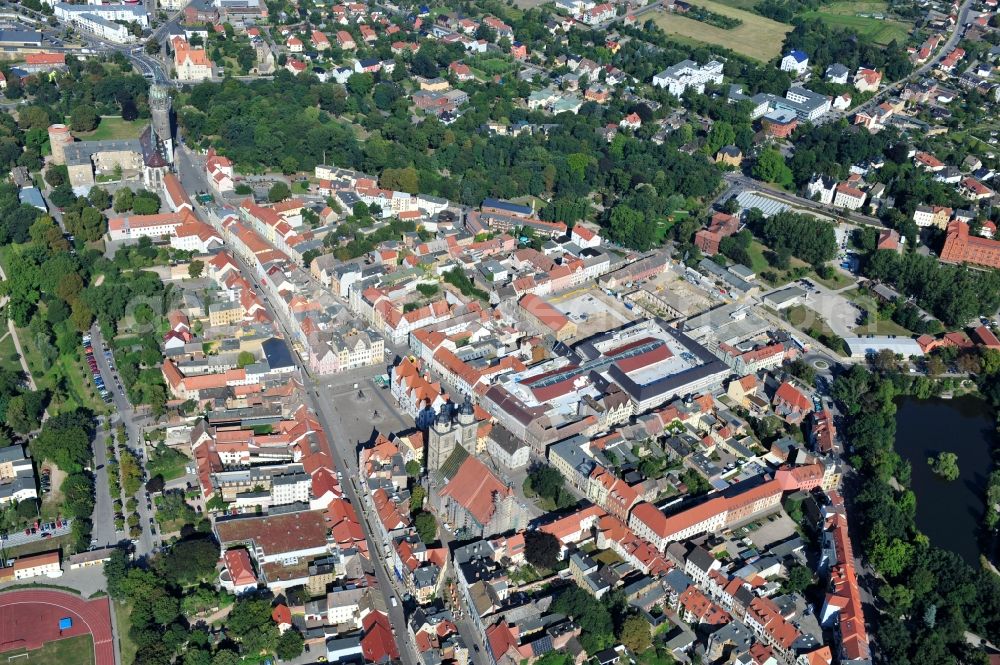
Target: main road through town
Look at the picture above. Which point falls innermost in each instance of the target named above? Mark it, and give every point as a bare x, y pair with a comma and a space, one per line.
342, 449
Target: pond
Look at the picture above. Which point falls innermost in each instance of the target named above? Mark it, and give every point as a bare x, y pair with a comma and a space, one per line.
949, 513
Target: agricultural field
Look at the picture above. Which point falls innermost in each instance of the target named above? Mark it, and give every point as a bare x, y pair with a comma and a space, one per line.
759, 37
859, 16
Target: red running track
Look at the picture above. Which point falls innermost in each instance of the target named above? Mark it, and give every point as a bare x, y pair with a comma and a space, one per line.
29, 618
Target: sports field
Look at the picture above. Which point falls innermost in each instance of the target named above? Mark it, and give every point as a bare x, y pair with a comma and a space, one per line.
859, 16
78, 650
32, 628
759, 38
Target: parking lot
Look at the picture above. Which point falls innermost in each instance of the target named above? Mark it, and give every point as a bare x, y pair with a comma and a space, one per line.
95, 371
37, 531
840, 313
773, 529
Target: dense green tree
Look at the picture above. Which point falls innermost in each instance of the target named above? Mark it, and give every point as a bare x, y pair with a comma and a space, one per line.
84, 118
635, 634
289, 645
426, 526
360, 84
771, 167
945, 465
541, 549
279, 192
190, 561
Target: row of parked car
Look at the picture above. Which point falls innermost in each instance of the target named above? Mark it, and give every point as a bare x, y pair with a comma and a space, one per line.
95, 370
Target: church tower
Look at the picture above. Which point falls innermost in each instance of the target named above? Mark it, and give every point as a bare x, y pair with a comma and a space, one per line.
159, 108
448, 432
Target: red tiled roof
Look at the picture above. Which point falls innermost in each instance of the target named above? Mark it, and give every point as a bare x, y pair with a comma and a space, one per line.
378, 644
544, 312
473, 487
239, 567
45, 59
281, 614
792, 396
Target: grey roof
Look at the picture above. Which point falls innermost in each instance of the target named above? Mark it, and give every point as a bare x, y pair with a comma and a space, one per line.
784, 295
725, 275
836, 70
701, 559
673, 383
277, 353
508, 206
12, 454
507, 441
20, 37
677, 580
82, 152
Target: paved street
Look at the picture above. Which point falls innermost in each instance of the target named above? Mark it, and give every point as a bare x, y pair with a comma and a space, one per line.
125, 414
739, 182
103, 519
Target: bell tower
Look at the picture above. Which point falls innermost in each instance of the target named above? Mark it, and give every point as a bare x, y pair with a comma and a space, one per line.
159, 108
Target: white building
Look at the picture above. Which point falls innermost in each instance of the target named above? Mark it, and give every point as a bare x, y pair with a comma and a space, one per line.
688, 74
219, 170
821, 189
36, 565
808, 105
796, 62
133, 227
599, 14
17, 476
102, 20
849, 197
290, 488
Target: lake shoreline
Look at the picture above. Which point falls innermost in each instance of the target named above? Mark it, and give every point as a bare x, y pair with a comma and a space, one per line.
950, 513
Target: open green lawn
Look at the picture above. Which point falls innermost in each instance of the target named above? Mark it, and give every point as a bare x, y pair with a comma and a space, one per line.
123, 622
887, 327
746, 5
838, 281
882, 326
802, 318
758, 37
756, 252
168, 463
859, 16
113, 128
759, 264
78, 650
76, 393
8, 352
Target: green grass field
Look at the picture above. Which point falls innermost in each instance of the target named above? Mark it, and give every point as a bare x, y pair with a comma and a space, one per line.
758, 37
851, 15
746, 5
168, 463
8, 352
112, 128
123, 621
77, 650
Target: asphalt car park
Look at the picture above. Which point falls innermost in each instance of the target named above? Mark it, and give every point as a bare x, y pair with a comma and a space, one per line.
95, 370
